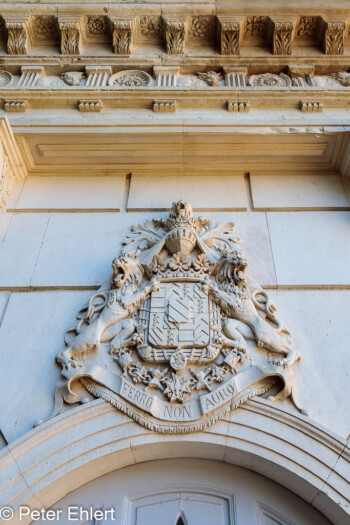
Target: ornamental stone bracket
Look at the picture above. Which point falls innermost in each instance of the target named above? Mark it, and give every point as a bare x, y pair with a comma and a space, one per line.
281, 37
333, 38
18, 42
71, 38
123, 35
230, 35
12, 167
175, 34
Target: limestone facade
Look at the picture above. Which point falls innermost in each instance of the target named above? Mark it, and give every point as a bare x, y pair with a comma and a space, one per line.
109, 113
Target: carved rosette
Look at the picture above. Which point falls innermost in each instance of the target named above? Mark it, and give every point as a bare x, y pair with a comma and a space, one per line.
333, 38
179, 336
70, 38
282, 38
17, 41
230, 38
123, 36
175, 36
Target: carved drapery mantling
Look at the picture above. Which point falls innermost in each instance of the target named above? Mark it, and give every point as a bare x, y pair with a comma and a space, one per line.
180, 335
175, 37
123, 35
17, 40
333, 38
70, 38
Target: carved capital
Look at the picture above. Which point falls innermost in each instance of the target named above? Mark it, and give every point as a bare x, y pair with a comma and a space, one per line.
281, 37
230, 38
175, 37
18, 40
123, 36
70, 38
333, 38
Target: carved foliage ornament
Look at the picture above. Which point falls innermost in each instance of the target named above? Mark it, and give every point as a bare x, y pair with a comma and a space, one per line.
70, 38
180, 335
333, 40
175, 33
230, 38
123, 37
17, 38
282, 38
97, 25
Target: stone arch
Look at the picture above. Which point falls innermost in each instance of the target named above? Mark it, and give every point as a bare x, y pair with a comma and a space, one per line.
94, 439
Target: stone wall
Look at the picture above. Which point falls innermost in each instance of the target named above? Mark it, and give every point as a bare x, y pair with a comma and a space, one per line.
60, 234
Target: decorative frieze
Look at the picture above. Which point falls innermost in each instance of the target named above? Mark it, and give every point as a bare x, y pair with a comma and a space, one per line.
123, 36
89, 106
29, 76
6, 79
281, 37
333, 38
307, 26
130, 78
236, 107
212, 78
203, 28
269, 80
175, 36
17, 38
162, 106
97, 76
230, 37
73, 78
15, 106
7, 178
311, 107
70, 38
256, 27
166, 75
150, 26
97, 25
235, 76
45, 29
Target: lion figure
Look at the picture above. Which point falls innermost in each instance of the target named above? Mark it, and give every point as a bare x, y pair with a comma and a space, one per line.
233, 295
109, 320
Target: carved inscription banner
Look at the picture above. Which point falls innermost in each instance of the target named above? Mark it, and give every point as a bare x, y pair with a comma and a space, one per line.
180, 335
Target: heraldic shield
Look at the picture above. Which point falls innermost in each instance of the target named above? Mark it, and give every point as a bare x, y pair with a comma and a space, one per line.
180, 335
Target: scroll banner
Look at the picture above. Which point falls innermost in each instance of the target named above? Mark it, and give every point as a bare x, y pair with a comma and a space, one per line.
188, 411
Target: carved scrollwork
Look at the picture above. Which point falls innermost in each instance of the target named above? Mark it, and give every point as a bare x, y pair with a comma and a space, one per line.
333, 39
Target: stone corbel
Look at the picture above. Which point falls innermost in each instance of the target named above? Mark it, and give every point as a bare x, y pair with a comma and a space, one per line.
230, 35
175, 36
123, 36
97, 76
333, 38
70, 36
235, 76
18, 40
11, 163
29, 76
281, 34
166, 75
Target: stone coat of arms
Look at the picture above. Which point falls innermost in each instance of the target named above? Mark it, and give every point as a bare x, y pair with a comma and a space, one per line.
180, 335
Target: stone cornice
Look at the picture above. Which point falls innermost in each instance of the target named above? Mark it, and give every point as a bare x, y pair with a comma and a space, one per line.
77, 30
